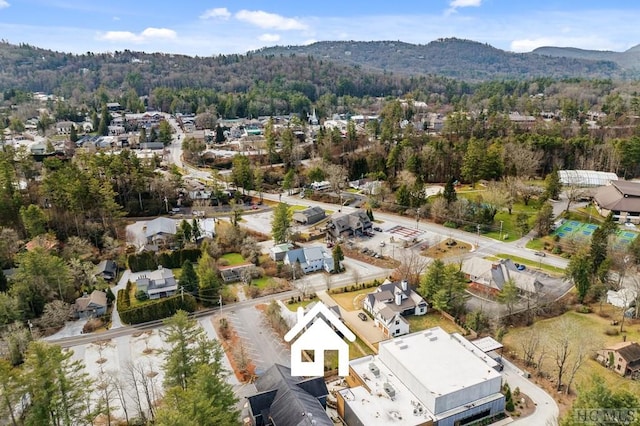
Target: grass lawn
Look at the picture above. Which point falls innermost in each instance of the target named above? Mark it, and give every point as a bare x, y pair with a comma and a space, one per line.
540, 264
351, 301
296, 207
535, 244
430, 320
592, 328
234, 258
261, 282
293, 307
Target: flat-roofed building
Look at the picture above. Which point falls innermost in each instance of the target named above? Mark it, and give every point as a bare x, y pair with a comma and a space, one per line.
424, 378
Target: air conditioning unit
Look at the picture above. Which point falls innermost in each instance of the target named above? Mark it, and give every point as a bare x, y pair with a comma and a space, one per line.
374, 370
389, 390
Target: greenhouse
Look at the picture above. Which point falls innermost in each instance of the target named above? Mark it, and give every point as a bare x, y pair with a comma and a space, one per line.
586, 177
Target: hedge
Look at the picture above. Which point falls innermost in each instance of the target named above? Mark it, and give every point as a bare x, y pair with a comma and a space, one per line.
157, 309
149, 261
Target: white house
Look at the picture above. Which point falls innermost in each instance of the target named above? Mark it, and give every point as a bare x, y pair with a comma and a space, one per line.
390, 303
310, 259
157, 284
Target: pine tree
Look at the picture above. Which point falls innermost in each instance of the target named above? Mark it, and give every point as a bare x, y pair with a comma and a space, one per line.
281, 223
188, 277
338, 256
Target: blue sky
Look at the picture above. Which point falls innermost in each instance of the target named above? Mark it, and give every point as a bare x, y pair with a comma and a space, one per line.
213, 27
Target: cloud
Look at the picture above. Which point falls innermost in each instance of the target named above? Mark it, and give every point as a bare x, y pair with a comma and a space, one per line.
585, 42
269, 37
268, 20
454, 5
217, 12
4, 3
147, 35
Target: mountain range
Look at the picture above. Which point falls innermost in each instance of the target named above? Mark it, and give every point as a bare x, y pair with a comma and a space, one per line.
470, 60
341, 67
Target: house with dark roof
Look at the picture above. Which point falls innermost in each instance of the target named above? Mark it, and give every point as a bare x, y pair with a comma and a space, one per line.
310, 259
623, 358
348, 224
309, 216
490, 276
284, 400
157, 284
620, 197
106, 269
390, 302
92, 305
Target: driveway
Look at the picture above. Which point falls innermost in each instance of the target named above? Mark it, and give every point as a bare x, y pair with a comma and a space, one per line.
546, 412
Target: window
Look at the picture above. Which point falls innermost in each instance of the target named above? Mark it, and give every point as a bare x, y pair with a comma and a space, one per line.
397, 322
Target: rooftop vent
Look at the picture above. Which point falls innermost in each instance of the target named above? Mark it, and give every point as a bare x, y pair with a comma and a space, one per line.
389, 390
432, 338
374, 370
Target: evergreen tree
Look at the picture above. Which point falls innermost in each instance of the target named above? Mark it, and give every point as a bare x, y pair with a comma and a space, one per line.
449, 192
57, 386
338, 257
165, 132
281, 223
544, 220
105, 119
188, 277
508, 296
73, 134
552, 185
579, 271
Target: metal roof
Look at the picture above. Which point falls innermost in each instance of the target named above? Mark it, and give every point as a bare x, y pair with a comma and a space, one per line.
487, 344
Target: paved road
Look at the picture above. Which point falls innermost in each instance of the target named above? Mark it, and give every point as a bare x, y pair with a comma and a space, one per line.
546, 412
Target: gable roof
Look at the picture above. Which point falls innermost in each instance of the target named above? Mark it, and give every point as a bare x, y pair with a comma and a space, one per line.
619, 196
96, 298
106, 266
160, 225
629, 351
306, 319
289, 401
496, 274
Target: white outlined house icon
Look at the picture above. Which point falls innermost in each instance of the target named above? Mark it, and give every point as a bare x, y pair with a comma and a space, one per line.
314, 334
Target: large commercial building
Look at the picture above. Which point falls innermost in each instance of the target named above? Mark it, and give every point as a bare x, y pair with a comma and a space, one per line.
620, 197
424, 378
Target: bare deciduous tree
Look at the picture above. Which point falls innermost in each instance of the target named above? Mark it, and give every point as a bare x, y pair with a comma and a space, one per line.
412, 266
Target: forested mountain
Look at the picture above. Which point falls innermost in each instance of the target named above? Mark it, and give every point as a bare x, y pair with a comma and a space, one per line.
628, 60
341, 68
451, 57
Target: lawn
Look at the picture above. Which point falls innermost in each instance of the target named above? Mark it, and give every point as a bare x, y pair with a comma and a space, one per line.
261, 282
351, 301
293, 307
592, 328
430, 320
233, 258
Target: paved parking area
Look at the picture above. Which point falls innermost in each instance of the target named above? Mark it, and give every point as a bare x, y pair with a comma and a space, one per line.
263, 347
364, 329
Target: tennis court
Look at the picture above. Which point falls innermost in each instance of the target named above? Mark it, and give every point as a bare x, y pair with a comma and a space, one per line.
581, 230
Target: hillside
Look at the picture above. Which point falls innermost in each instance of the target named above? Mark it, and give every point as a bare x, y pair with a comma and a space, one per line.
628, 61
461, 59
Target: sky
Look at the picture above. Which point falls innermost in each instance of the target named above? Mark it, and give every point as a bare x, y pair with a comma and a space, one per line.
206, 28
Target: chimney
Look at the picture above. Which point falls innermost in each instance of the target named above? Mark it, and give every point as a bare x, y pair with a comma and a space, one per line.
404, 285
398, 298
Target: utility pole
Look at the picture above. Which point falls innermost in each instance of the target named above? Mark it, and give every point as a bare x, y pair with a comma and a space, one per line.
501, 230
182, 293
478, 235
220, 302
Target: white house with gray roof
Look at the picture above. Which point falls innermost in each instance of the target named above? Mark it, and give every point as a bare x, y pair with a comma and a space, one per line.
390, 303
157, 284
311, 259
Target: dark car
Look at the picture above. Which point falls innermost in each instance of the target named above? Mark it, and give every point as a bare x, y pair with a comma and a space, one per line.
362, 316
377, 229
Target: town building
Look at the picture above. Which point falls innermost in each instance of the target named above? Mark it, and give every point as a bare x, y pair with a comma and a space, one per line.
309, 216
284, 400
344, 225
277, 252
92, 305
157, 284
310, 259
106, 269
623, 358
425, 378
491, 276
160, 231
620, 197
390, 302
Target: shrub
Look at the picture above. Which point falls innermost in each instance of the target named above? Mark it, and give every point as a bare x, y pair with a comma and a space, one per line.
612, 331
583, 309
92, 325
450, 224
157, 309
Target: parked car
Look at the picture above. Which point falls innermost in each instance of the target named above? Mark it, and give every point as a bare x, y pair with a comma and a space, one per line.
377, 229
540, 253
520, 267
362, 316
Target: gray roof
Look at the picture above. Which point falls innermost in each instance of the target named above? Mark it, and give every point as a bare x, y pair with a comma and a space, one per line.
620, 196
290, 401
310, 215
97, 298
160, 225
496, 274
